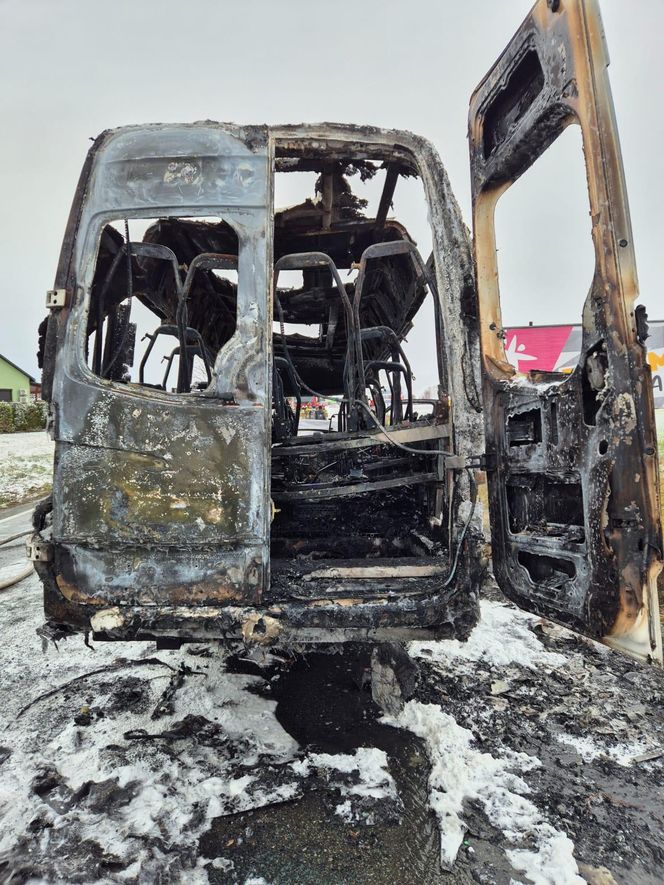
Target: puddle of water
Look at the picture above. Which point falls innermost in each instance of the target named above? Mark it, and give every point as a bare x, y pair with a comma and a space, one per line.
322, 707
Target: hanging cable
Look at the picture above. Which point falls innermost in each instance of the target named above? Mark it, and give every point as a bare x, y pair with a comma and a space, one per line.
473, 500
388, 436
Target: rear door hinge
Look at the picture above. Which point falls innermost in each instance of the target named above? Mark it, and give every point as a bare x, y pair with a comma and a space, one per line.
461, 462
39, 550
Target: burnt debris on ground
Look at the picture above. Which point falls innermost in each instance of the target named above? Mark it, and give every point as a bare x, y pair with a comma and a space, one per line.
524, 753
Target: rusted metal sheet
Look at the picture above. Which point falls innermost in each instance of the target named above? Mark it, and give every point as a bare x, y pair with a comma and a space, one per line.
573, 490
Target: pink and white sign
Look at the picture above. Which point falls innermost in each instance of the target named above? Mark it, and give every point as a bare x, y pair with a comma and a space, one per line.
557, 348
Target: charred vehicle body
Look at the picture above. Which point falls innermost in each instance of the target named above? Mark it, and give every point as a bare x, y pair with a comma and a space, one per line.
188, 502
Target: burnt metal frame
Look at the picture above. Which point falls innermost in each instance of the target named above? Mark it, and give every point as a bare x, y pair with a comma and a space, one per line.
139, 250
174, 331
387, 333
203, 261
393, 367
193, 350
281, 364
353, 372
385, 250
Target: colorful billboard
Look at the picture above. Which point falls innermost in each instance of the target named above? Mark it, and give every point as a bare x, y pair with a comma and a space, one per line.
557, 348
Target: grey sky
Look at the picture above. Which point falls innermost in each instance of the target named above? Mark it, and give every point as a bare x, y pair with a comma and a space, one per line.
70, 68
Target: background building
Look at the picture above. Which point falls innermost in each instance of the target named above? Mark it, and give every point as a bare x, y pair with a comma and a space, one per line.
15, 384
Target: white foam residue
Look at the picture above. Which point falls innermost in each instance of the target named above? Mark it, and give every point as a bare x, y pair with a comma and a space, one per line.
459, 771
590, 749
227, 699
344, 810
501, 637
301, 767
369, 763
552, 864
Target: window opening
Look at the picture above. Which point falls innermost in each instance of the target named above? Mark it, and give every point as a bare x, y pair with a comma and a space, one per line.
546, 258
163, 301
354, 315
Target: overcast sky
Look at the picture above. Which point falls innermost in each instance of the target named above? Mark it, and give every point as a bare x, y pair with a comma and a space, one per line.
70, 68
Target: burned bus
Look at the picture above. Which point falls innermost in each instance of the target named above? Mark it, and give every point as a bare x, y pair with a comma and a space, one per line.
191, 314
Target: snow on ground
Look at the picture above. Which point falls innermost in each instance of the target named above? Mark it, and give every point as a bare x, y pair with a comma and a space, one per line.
26, 466
117, 776
96, 770
502, 651
113, 778
92, 766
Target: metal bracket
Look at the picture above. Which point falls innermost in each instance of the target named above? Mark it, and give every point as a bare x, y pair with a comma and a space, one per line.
39, 550
460, 462
56, 298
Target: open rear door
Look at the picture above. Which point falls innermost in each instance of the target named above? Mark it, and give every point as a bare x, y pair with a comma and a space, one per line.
572, 458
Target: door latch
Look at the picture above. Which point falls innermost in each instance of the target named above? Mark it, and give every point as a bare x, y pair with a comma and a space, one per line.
461, 462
